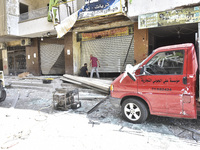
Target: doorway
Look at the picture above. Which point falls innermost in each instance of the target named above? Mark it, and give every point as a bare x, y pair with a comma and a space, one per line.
170, 35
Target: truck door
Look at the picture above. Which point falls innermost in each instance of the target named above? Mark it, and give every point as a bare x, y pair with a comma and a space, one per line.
163, 84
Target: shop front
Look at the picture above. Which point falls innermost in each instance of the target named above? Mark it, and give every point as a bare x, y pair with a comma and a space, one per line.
171, 27
114, 48
52, 57
16, 60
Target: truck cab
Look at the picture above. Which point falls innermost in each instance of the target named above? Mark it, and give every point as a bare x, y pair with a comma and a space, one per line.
164, 84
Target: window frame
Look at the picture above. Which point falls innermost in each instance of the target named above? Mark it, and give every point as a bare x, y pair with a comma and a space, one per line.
182, 70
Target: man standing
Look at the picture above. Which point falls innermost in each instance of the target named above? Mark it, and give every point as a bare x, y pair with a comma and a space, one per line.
93, 62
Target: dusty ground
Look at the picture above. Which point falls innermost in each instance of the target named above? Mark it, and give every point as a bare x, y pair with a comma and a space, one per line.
29, 122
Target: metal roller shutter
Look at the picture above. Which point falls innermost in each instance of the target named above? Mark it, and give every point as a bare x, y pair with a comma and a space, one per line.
52, 58
111, 52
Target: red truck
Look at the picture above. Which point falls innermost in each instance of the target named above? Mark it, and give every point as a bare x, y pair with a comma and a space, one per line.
164, 84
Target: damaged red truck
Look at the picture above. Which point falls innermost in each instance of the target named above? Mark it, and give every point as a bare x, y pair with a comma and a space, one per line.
164, 84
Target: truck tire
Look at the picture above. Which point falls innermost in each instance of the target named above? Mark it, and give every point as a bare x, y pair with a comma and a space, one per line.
134, 110
3, 95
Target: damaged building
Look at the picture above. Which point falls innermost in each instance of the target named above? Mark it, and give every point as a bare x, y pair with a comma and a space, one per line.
117, 32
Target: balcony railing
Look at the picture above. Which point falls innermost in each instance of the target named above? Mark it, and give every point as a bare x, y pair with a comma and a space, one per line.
34, 14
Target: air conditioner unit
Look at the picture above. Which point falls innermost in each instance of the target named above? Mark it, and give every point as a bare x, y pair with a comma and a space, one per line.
2, 46
25, 42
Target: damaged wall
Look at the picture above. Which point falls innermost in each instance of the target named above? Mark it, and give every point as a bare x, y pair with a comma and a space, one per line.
137, 7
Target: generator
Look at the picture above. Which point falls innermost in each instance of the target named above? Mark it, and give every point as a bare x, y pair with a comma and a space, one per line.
64, 100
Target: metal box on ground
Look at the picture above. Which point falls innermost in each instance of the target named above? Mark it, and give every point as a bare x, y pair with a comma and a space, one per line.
64, 100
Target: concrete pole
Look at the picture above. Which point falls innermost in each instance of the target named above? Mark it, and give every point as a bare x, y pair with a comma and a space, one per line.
5, 61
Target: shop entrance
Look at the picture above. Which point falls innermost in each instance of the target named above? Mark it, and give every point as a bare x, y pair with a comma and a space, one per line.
170, 35
16, 60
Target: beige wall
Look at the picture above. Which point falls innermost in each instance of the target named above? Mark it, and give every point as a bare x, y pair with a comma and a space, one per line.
76, 53
33, 58
35, 4
68, 53
140, 43
5, 61
2, 18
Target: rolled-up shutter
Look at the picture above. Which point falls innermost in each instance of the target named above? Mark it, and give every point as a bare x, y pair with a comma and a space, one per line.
111, 52
52, 58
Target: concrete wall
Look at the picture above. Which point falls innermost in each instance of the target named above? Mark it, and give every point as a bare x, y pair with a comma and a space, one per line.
140, 43
80, 3
3, 30
138, 7
76, 53
5, 61
35, 28
12, 11
35, 4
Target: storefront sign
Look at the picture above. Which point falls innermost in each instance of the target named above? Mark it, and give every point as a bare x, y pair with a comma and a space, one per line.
168, 18
94, 8
106, 33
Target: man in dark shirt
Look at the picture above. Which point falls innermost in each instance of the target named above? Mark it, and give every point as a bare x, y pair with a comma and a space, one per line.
84, 71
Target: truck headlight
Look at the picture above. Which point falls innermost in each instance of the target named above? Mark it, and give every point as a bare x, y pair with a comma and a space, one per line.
111, 87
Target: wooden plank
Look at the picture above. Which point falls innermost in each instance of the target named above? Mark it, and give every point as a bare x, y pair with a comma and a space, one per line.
85, 85
95, 83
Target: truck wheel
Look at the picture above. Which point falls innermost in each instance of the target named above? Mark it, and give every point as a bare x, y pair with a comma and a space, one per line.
3, 95
134, 111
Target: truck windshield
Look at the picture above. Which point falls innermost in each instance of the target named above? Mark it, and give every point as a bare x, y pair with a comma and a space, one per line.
169, 62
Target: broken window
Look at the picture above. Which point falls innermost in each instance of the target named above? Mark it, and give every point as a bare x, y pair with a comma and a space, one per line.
170, 62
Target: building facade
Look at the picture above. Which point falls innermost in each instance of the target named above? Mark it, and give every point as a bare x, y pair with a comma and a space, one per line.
167, 23
117, 32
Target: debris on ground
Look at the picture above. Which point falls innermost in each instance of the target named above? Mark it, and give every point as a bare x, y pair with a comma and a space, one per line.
34, 120
64, 100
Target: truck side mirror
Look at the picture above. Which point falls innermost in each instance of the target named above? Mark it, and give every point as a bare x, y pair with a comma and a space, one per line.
131, 76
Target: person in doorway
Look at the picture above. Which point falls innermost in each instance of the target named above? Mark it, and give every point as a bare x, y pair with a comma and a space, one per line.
94, 63
84, 71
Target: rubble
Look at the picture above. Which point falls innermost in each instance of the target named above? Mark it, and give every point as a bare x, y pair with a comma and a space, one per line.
33, 119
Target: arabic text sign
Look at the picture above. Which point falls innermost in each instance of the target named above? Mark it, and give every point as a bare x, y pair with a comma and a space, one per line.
106, 33
95, 8
167, 18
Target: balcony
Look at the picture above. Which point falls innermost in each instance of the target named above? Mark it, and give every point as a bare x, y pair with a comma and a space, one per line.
34, 23
34, 14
